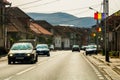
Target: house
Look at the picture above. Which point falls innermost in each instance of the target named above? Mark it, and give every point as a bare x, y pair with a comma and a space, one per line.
25, 25
61, 37
65, 37
18, 25
113, 27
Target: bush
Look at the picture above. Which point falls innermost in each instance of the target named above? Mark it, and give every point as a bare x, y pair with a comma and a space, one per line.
114, 54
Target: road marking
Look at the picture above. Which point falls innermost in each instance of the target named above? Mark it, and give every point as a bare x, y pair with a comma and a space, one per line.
26, 70
8, 78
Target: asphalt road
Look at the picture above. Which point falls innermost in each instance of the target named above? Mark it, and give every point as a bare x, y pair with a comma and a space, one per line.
61, 65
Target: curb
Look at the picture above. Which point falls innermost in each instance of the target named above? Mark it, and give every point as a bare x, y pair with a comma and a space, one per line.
107, 63
115, 70
3, 58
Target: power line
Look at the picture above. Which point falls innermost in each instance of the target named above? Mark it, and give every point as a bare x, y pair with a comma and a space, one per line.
95, 5
41, 4
28, 3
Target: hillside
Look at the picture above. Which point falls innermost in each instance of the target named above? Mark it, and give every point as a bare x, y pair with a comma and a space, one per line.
64, 18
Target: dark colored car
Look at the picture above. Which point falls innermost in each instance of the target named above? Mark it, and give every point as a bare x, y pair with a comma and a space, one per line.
42, 49
22, 52
75, 48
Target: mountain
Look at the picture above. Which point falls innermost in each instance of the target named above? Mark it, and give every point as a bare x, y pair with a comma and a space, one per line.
64, 19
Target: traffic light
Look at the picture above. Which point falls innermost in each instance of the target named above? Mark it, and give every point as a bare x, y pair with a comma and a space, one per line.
98, 29
93, 34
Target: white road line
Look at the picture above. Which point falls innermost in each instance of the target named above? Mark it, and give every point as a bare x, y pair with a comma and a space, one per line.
101, 78
8, 78
26, 70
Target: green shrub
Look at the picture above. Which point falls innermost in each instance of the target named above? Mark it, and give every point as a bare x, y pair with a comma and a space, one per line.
114, 53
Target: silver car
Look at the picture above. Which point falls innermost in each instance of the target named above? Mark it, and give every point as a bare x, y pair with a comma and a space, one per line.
22, 52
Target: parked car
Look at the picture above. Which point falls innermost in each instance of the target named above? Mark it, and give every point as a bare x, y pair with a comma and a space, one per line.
42, 49
22, 52
75, 48
51, 47
91, 49
83, 47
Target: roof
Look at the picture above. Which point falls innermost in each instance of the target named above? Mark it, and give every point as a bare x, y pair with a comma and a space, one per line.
11, 28
114, 17
5, 2
39, 29
44, 24
18, 19
16, 12
113, 20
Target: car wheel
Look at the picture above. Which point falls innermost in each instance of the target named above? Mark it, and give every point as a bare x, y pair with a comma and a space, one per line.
36, 60
32, 62
9, 61
13, 62
48, 54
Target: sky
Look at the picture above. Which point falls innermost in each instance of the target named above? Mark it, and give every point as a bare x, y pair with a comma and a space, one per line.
78, 8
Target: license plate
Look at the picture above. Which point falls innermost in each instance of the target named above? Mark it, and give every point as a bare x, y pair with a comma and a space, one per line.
19, 57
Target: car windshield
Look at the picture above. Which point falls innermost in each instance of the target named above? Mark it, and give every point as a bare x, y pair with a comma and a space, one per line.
75, 45
42, 46
22, 46
90, 47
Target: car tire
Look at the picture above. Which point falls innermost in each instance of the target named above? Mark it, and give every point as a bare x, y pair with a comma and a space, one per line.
13, 62
36, 60
48, 54
32, 62
9, 61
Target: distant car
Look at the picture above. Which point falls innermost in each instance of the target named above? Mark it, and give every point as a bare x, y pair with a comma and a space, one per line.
22, 52
42, 49
83, 47
75, 48
91, 49
51, 47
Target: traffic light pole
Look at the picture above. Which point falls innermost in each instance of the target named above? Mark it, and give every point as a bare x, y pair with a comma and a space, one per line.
97, 25
106, 11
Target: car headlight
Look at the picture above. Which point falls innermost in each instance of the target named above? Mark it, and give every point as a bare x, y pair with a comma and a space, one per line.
10, 55
28, 54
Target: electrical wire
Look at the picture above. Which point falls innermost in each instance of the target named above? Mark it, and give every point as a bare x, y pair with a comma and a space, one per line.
41, 4
95, 5
28, 3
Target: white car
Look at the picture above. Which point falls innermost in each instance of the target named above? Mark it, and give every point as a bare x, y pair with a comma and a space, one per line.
42, 49
22, 52
91, 49
51, 47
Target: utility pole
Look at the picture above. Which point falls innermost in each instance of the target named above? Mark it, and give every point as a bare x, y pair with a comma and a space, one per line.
2, 17
106, 11
3, 4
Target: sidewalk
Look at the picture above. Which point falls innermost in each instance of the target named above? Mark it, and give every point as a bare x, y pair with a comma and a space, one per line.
3, 58
111, 69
